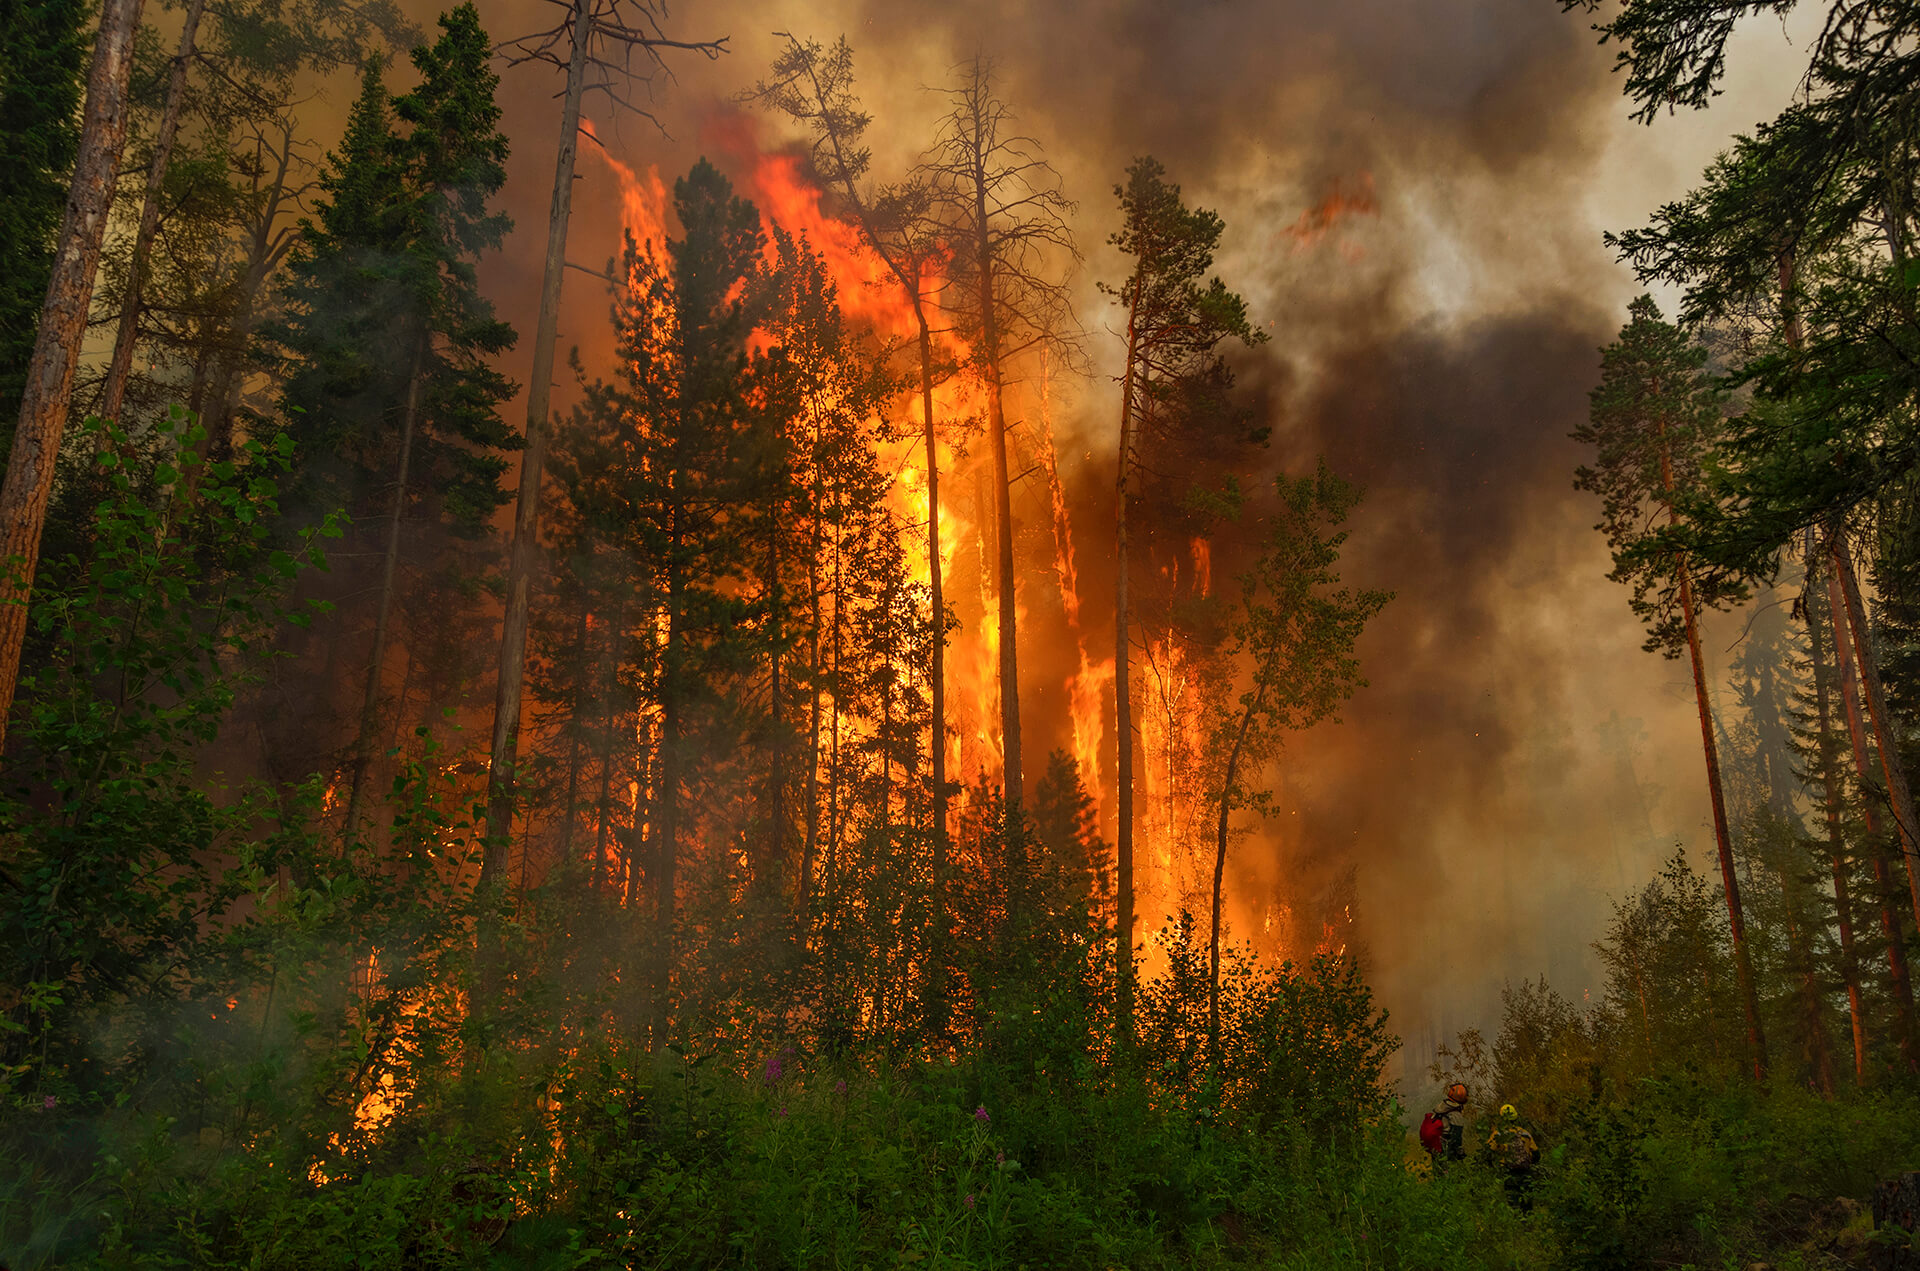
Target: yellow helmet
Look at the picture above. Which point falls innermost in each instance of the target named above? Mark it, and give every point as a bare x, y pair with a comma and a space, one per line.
1507, 1112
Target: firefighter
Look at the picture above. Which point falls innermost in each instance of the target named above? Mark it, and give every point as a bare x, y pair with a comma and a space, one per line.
1443, 1132
1511, 1145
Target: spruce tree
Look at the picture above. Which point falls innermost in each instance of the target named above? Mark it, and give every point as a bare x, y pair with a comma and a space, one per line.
393, 410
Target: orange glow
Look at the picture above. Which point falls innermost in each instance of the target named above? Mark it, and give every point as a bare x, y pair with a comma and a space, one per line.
1174, 844
1320, 220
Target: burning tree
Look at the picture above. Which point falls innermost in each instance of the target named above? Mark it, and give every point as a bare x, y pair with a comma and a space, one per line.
1004, 216
1298, 634
602, 40
1175, 325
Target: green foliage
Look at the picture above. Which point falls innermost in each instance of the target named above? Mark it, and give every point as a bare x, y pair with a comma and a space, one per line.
148, 642
41, 82
383, 292
1654, 420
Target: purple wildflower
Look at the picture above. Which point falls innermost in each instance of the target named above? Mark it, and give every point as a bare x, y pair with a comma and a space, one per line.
52, 1101
773, 1071
840, 1087
969, 1200
980, 1113
783, 1109
1000, 1158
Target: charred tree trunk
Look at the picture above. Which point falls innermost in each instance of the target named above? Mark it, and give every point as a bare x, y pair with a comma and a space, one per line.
376, 659
526, 518
1836, 842
810, 843
1122, 706
1002, 492
63, 326
937, 742
128, 332
1889, 915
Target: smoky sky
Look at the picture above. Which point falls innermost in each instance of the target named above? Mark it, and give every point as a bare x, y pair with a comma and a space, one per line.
1434, 340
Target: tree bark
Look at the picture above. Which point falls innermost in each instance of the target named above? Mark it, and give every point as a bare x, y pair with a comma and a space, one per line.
1899, 795
1742, 958
1890, 923
63, 326
1836, 840
526, 518
989, 353
121, 366
937, 742
376, 660
1220, 868
1122, 706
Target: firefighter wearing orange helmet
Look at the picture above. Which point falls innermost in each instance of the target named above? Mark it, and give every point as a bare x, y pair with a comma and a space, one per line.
1443, 1131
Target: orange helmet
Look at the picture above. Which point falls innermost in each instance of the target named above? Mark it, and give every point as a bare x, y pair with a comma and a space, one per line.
1457, 1092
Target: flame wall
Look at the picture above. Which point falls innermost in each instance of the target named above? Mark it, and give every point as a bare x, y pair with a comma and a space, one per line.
1413, 197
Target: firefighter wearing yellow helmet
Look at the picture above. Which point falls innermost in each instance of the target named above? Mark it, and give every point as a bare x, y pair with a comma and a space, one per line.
1512, 1146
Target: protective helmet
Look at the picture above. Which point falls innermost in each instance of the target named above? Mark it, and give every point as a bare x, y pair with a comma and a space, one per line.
1507, 1112
1457, 1092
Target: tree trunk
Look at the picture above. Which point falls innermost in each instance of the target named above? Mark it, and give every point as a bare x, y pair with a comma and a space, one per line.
989, 353
1836, 841
1742, 959
1220, 868
1899, 795
1122, 707
526, 518
810, 843
263, 254
1890, 922
376, 660
937, 743
63, 327
114, 392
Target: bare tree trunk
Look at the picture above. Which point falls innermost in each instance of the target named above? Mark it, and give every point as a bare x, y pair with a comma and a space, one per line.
1220, 868
1742, 959
526, 518
937, 742
810, 844
114, 392
1889, 916
263, 254
1899, 795
376, 660
989, 353
1122, 706
1836, 842
63, 326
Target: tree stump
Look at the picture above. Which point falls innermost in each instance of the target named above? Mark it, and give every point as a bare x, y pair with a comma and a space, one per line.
1896, 1211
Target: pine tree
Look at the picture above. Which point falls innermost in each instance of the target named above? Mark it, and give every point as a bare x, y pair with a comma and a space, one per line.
1652, 424
1174, 325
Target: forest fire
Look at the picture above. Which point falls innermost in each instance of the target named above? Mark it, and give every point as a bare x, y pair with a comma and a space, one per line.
1171, 732
851, 740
